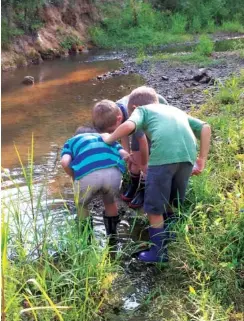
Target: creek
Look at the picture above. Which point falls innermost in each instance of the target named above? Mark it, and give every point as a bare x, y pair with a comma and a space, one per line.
61, 99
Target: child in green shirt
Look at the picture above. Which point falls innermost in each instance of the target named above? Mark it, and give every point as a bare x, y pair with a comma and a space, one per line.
173, 153
106, 118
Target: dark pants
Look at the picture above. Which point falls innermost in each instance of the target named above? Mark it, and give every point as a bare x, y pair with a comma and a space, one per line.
166, 186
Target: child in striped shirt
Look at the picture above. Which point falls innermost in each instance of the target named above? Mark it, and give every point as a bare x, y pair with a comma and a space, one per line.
96, 168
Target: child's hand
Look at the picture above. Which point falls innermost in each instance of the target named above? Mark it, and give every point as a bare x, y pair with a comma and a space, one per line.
198, 166
144, 169
131, 162
106, 138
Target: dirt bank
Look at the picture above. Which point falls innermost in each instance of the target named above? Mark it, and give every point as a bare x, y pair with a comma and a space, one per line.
60, 24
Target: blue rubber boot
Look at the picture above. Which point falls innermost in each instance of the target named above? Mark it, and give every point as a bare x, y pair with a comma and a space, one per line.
158, 251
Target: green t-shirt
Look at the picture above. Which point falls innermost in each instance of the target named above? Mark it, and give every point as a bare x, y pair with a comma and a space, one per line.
171, 132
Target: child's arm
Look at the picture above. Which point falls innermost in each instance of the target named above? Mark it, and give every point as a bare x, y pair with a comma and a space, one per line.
124, 129
125, 143
143, 147
124, 154
204, 149
65, 162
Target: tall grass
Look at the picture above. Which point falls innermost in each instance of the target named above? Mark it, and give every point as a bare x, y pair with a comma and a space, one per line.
205, 278
50, 270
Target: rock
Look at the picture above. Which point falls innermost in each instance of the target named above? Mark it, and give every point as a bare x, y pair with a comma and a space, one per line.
165, 78
202, 73
205, 80
80, 48
50, 54
28, 80
187, 85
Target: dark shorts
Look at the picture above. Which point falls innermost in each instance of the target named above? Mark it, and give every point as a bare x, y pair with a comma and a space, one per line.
166, 186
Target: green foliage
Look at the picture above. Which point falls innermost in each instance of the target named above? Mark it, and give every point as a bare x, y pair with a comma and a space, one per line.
19, 17
51, 270
239, 46
7, 33
155, 27
70, 40
205, 46
179, 23
204, 279
232, 26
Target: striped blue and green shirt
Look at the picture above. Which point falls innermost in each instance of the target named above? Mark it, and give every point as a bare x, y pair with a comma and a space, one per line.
89, 153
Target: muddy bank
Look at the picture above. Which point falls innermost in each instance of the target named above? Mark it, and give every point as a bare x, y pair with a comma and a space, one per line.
179, 83
64, 25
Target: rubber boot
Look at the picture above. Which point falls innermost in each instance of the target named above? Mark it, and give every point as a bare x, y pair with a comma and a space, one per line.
130, 192
111, 223
158, 251
138, 200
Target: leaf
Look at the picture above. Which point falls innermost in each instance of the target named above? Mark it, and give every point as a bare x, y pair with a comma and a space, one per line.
192, 290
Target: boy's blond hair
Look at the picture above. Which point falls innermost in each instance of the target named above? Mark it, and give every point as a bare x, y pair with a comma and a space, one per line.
104, 115
142, 96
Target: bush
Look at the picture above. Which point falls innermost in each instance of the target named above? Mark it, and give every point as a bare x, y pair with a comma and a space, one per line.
232, 26
205, 46
179, 23
69, 41
8, 33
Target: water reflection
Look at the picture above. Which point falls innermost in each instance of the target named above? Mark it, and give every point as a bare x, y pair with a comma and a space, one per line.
61, 100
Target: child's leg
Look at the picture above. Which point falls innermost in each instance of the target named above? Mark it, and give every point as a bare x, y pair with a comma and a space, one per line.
112, 181
138, 199
134, 172
110, 209
180, 183
157, 195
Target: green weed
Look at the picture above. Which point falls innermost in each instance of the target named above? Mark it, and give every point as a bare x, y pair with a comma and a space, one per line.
204, 281
52, 267
205, 46
232, 26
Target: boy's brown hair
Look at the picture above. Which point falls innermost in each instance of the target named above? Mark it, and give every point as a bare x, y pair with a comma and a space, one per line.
104, 115
142, 96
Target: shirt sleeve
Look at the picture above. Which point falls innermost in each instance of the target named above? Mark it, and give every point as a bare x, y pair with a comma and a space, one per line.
137, 117
117, 146
196, 125
66, 149
138, 133
162, 100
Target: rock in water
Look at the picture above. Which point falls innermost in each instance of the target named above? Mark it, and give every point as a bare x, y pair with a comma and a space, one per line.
28, 80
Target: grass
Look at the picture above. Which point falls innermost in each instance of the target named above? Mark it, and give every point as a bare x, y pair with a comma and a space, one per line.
201, 54
205, 278
50, 270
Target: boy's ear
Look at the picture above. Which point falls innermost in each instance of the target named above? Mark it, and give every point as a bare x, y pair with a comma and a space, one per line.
119, 118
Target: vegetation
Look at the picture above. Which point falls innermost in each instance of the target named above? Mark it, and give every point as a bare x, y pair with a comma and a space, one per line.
205, 278
69, 41
50, 269
201, 54
19, 17
144, 24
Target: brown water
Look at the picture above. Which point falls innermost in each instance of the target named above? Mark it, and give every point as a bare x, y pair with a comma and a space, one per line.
61, 100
